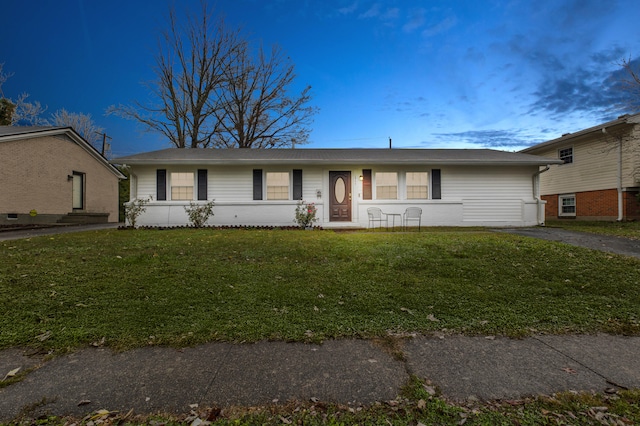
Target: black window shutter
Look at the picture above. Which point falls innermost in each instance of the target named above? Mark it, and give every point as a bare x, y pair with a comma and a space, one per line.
366, 184
297, 184
202, 184
435, 185
257, 184
161, 184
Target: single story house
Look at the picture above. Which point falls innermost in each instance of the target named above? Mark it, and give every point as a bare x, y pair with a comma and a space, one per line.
261, 187
599, 176
51, 174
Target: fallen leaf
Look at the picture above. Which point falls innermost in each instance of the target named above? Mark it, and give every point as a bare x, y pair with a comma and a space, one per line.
430, 317
11, 373
569, 370
314, 399
98, 343
84, 402
44, 336
422, 404
409, 311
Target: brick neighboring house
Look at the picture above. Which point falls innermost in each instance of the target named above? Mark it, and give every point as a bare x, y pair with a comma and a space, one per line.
51, 174
600, 177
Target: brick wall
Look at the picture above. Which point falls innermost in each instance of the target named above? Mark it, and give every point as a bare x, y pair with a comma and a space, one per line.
631, 205
33, 175
597, 205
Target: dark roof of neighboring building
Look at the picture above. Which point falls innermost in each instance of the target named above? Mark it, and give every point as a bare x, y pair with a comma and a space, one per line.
13, 133
333, 156
624, 121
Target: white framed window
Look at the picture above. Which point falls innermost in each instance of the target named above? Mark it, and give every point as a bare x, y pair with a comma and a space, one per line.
417, 185
182, 186
566, 155
387, 185
567, 205
277, 185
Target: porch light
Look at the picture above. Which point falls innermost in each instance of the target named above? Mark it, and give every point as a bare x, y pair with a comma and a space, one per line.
361, 178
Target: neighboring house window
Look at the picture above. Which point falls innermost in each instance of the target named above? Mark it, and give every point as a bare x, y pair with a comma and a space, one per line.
182, 186
417, 186
387, 185
277, 185
566, 155
567, 205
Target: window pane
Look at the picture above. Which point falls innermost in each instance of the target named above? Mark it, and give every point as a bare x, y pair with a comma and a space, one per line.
566, 155
387, 185
277, 185
568, 205
417, 187
182, 186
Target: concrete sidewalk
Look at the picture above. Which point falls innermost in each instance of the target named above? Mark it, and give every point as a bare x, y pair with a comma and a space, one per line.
19, 234
355, 372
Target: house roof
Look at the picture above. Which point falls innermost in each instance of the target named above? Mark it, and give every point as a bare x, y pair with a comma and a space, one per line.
23, 133
205, 156
623, 121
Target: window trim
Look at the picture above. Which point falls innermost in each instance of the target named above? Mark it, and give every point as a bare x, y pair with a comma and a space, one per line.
560, 205
266, 185
376, 186
193, 185
566, 157
406, 184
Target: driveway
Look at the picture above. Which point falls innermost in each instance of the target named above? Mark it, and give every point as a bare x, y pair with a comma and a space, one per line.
618, 245
17, 234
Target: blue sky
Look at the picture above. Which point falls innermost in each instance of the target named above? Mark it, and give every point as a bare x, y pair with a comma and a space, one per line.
428, 74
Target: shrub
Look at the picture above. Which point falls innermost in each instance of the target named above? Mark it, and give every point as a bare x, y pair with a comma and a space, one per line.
199, 213
305, 214
134, 209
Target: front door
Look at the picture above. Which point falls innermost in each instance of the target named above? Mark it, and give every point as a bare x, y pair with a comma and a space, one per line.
78, 191
340, 196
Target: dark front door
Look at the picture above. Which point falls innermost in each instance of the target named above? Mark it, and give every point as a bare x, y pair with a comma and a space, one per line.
340, 196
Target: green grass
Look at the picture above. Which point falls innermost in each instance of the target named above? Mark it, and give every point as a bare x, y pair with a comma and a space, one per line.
617, 229
183, 287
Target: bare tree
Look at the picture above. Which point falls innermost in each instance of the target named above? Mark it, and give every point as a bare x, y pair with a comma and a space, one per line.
81, 123
190, 71
4, 76
28, 113
257, 111
212, 93
630, 84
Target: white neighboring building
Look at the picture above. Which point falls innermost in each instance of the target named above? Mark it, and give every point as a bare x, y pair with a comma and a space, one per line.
261, 187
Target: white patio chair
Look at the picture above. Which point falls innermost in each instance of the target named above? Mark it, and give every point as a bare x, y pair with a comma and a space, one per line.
376, 215
412, 214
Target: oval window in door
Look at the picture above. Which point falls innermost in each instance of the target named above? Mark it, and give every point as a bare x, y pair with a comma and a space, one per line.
340, 190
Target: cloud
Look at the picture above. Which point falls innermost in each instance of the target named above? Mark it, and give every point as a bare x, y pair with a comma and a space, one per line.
348, 10
440, 27
416, 20
372, 12
594, 88
502, 139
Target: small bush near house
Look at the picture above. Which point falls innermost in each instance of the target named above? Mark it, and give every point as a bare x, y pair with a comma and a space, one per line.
199, 213
305, 214
134, 209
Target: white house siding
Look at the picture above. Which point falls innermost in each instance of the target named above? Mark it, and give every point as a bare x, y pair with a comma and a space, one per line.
471, 196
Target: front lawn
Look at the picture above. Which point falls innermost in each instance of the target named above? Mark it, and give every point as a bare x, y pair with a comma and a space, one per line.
182, 287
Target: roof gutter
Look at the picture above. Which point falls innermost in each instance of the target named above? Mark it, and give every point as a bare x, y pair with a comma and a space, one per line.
536, 195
